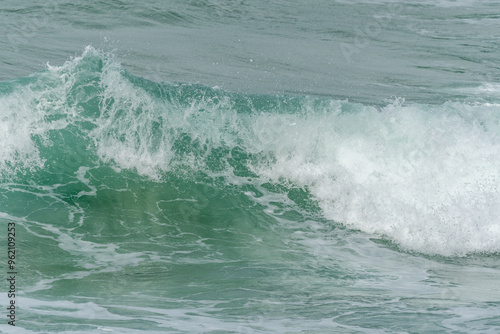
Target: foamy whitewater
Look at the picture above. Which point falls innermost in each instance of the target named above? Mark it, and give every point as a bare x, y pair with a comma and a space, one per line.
230, 181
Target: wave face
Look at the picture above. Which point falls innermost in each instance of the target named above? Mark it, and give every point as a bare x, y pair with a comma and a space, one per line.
425, 177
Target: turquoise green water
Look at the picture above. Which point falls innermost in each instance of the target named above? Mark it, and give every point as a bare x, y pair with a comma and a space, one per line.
219, 167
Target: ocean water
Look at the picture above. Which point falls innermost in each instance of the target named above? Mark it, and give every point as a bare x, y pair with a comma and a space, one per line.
223, 166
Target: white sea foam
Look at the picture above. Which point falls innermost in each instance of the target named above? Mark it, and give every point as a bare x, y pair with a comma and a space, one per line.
197, 318
19, 123
426, 177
